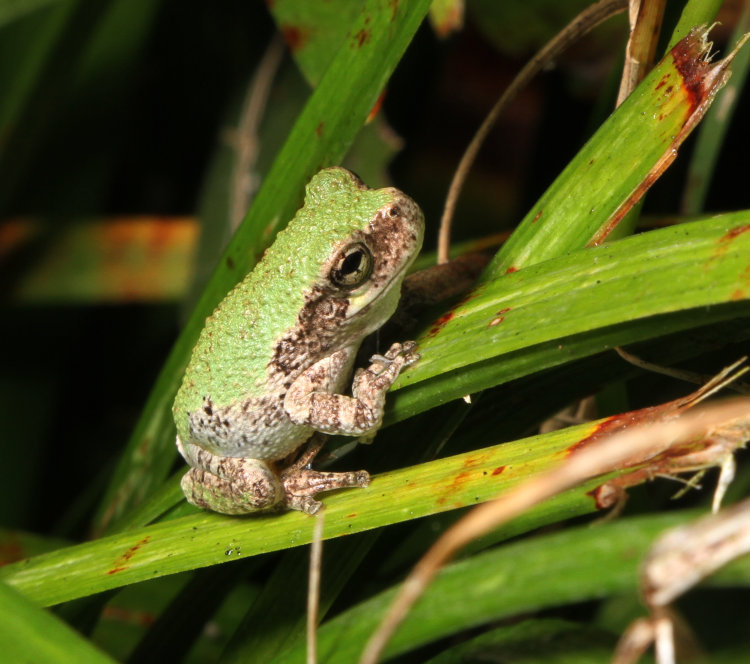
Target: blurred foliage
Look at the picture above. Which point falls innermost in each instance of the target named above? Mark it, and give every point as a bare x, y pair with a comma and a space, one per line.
126, 129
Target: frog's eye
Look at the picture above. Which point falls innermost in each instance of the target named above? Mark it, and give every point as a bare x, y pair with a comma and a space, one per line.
353, 267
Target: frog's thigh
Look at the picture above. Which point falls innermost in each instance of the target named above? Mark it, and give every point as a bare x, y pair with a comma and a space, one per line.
228, 485
312, 399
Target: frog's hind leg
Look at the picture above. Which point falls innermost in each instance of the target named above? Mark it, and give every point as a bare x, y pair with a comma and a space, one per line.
301, 484
228, 485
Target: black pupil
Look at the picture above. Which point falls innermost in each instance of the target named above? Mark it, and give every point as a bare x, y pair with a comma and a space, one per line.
351, 262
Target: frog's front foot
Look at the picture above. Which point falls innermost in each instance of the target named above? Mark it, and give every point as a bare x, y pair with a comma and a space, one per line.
301, 485
398, 357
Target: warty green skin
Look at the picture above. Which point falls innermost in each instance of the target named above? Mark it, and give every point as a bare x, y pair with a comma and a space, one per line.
287, 331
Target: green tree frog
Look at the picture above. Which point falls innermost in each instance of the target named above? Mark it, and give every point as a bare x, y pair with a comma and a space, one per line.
270, 368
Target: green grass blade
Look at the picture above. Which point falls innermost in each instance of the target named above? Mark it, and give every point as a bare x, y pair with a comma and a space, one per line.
208, 539
616, 166
578, 305
682, 270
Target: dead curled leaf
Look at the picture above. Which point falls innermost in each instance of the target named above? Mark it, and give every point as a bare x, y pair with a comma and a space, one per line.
677, 561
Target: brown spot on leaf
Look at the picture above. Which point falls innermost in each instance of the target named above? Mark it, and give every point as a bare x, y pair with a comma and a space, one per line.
538, 215
393, 4
440, 323
362, 37
724, 242
621, 422
734, 232
499, 317
294, 36
475, 460
459, 480
511, 269
119, 564
499, 470
700, 80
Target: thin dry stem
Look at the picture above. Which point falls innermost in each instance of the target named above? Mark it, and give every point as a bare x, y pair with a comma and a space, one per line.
680, 374
245, 137
313, 588
645, 23
586, 21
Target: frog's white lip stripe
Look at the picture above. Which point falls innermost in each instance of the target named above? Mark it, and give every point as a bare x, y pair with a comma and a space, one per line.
354, 311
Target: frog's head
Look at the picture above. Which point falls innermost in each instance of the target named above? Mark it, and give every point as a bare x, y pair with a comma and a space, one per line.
380, 236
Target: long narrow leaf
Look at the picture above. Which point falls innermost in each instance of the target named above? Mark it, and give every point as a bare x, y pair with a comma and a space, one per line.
579, 305
621, 161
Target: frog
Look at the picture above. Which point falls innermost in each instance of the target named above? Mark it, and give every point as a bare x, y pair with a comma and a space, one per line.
270, 375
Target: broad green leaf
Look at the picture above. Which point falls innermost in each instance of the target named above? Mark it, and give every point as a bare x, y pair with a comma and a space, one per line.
699, 265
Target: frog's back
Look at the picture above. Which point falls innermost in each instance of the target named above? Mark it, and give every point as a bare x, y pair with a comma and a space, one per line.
232, 362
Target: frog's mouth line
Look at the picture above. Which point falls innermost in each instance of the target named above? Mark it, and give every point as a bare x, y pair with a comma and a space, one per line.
383, 289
